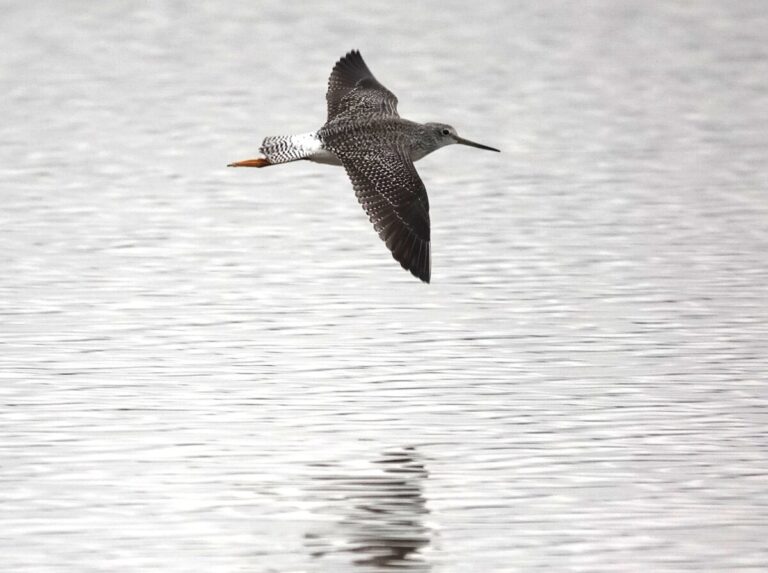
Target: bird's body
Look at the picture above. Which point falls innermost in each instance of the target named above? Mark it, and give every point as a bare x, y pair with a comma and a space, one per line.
365, 134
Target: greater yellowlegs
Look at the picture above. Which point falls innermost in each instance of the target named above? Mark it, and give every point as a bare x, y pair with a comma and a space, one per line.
365, 134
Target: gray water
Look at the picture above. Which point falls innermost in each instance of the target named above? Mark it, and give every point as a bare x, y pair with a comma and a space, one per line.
210, 369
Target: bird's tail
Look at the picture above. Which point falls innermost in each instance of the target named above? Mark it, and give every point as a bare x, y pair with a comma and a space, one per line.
286, 148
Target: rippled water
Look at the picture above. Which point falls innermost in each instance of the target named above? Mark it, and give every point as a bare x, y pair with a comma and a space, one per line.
224, 370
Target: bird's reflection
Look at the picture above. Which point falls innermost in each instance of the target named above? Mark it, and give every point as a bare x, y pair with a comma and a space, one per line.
380, 514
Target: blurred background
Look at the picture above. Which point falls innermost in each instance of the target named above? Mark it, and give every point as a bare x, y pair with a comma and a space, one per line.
213, 369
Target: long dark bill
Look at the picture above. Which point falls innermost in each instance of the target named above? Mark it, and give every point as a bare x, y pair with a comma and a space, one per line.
473, 144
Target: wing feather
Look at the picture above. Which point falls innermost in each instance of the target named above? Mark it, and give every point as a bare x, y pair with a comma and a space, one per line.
354, 91
394, 198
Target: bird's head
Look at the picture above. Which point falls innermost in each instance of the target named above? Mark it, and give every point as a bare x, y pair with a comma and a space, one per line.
445, 134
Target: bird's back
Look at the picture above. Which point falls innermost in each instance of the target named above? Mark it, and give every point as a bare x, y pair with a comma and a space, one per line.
375, 134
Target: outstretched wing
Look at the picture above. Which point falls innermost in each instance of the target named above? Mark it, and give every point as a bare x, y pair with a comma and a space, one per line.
353, 91
389, 189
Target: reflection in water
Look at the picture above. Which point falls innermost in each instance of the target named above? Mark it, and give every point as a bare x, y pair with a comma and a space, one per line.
380, 514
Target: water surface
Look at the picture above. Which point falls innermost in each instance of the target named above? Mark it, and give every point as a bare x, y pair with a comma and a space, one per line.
224, 370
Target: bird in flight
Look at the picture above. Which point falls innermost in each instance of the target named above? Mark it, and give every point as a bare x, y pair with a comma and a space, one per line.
377, 148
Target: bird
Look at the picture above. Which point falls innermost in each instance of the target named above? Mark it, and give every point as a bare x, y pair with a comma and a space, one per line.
365, 134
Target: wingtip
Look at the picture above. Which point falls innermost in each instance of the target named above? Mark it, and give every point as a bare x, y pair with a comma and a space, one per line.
420, 267
420, 274
352, 60
351, 54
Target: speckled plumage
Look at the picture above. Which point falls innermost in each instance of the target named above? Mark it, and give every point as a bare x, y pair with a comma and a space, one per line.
377, 148
376, 154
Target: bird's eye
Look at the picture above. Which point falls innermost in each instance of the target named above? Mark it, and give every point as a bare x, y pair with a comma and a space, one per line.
446, 132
